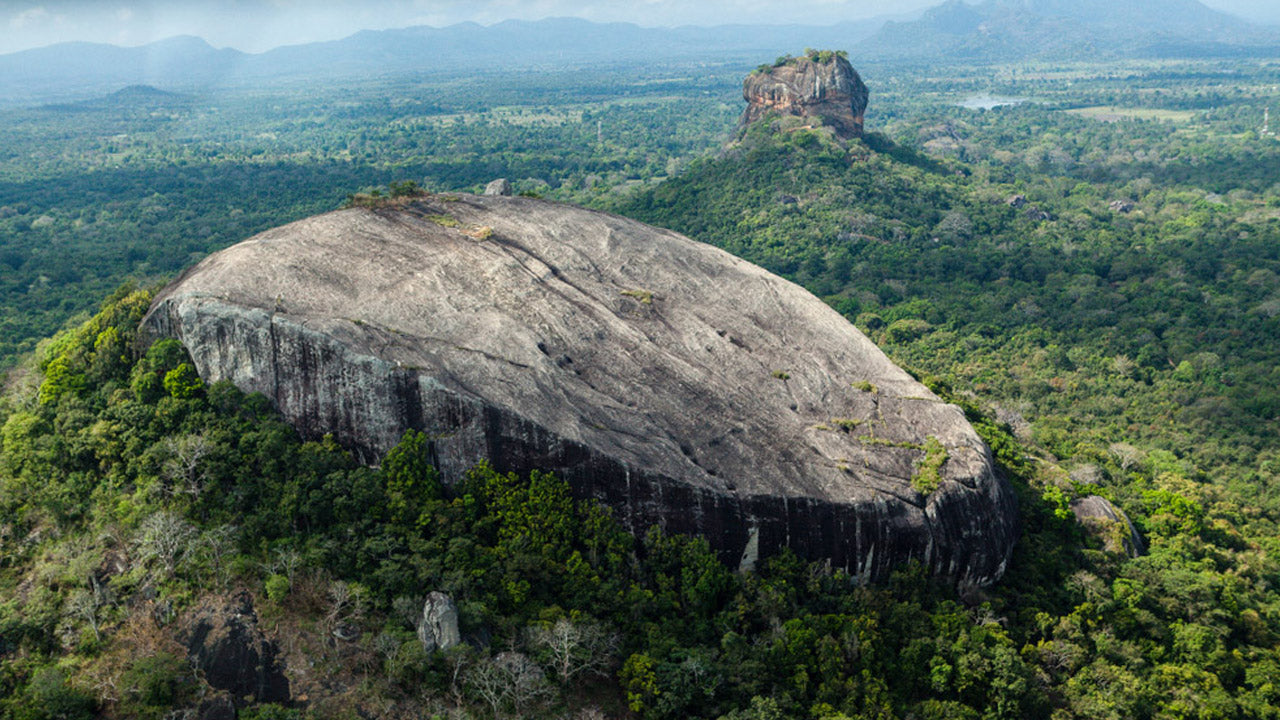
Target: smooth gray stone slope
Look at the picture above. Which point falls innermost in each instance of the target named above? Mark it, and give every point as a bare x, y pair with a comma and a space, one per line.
676, 383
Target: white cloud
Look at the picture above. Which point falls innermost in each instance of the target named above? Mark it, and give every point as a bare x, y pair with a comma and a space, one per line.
28, 17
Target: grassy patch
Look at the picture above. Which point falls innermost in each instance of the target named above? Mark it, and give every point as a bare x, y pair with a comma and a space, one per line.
929, 472
444, 221
644, 296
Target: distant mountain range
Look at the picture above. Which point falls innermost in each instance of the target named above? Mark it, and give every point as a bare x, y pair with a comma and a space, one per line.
993, 30
1071, 29
74, 71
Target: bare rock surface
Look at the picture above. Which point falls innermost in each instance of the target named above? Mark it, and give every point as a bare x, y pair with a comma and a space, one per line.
829, 89
438, 626
501, 186
224, 642
678, 384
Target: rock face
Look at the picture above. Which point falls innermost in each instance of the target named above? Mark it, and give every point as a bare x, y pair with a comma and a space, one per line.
224, 642
814, 86
677, 384
438, 627
1108, 523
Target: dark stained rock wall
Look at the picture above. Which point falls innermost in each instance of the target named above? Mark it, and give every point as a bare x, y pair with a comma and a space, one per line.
224, 642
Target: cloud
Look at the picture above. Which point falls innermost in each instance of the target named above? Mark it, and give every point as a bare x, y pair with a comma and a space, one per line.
28, 17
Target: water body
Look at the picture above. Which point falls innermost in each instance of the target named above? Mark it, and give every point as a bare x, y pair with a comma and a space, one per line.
987, 102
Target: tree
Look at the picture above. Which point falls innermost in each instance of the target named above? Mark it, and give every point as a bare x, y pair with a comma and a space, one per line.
411, 479
508, 680
405, 188
347, 603
184, 469
216, 546
85, 604
183, 381
166, 537
574, 647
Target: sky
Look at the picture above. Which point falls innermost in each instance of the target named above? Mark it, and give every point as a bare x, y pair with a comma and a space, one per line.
257, 25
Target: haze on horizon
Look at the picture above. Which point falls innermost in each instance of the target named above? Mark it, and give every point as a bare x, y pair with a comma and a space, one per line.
258, 25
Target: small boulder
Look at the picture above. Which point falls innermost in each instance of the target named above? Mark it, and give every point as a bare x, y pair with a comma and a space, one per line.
501, 186
1121, 206
1016, 201
1109, 524
438, 628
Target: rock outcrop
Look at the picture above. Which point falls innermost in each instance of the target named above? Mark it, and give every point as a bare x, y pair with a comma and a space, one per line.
1109, 524
678, 384
501, 186
820, 85
438, 626
233, 655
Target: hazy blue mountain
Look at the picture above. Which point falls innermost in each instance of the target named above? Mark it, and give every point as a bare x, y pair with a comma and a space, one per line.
992, 30
1019, 29
74, 71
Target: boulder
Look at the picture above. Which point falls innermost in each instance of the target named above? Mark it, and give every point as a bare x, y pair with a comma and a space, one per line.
663, 377
501, 187
438, 627
821, 86
1109, 524
224, 642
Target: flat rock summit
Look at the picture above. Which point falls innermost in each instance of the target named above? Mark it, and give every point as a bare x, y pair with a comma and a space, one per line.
820, 85
677, 384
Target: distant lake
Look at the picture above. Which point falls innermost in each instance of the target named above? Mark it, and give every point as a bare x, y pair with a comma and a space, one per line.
986, 102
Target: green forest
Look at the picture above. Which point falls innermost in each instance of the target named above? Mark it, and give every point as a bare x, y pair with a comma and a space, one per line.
1092, 275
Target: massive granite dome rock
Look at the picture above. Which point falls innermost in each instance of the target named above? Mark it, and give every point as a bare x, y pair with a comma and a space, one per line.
820, 85
674, 382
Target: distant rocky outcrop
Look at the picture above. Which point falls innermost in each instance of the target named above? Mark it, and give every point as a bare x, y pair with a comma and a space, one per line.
677, 384
823, 86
